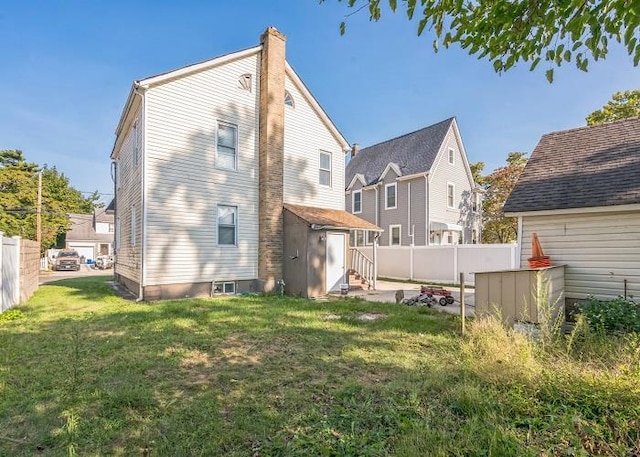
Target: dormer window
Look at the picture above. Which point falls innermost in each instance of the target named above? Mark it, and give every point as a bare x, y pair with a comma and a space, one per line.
288, 99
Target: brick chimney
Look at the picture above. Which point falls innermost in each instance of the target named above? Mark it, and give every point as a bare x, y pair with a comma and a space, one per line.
355, 149
271, 158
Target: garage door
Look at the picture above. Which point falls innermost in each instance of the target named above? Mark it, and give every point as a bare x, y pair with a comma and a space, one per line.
83, 250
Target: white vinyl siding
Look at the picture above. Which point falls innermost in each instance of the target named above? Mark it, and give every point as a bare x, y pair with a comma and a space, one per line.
128, 196
226, 146
304, 136
600, 250
391, 196
357, 202
443, 174
183, 185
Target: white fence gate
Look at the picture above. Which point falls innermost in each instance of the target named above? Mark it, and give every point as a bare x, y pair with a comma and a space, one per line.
442, 263
9, 272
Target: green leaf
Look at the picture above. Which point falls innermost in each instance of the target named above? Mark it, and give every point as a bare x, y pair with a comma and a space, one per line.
535, 63
421, 25
343, 28
549, 75
393, 4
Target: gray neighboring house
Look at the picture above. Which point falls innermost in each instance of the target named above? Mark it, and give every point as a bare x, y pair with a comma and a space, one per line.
91, 234
417, 187
580, 192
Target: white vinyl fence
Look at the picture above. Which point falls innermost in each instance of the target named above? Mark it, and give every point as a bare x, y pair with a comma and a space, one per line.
9, 272
442, 263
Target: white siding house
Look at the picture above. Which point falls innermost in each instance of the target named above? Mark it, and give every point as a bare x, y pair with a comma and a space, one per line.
189, 153
417, 187
580, 193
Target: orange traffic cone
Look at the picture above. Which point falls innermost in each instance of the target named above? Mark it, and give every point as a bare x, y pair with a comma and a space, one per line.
537, 259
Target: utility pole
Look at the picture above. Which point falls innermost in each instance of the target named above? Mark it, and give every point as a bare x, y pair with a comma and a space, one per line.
39, 213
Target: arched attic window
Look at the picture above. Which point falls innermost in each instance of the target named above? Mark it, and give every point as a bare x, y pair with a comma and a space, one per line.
244, 82
288, 99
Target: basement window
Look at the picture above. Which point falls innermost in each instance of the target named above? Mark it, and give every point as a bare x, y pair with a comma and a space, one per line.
224, 288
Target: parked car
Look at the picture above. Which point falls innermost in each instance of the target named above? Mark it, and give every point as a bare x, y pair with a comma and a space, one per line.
103, 262
67, 259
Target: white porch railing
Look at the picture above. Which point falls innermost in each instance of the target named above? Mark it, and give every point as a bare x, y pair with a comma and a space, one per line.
363, 266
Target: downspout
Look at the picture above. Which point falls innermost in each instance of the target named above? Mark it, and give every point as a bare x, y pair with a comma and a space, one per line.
410, 231
143, 237
426, 210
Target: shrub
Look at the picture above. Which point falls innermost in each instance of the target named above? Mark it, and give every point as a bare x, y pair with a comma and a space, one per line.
612, 317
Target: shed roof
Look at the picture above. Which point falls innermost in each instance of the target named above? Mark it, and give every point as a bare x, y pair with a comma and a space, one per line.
330, 218
581, 168
413, 152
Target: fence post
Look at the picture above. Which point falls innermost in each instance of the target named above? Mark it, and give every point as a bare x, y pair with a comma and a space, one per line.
462, 313
18, 289
1, 272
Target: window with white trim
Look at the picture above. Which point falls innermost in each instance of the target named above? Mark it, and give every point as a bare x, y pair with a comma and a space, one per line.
356, 206
227, 225
224, 288
451, 192
134, 222
118, 231
226, 146
452, 156
325, 169
395, 235
370, 237
449, 238
390, 191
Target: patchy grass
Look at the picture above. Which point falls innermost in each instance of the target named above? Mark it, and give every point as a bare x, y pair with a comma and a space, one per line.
83, 372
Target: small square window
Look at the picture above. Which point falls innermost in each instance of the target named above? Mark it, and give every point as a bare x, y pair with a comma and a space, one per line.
224, 288
394, 235
390, 196
226, 146
357, 202
325, 169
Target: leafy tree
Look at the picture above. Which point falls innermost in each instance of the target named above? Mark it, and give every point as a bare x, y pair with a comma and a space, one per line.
19, 193
507, 32
622, 105
496, 227
476, 172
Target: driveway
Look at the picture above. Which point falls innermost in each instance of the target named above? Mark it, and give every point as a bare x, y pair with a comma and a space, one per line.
85, 270
386, 292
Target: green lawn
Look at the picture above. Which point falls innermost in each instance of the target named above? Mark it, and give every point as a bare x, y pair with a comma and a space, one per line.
83, 372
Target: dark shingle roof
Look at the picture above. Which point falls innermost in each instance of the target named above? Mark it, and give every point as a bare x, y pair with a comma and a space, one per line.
414, 153
581, 168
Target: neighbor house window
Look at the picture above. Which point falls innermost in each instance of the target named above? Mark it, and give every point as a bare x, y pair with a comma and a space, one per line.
474, 236
452, 156
325, 169
111, 228
451, 191
227, 225
390, 196
227, 141
357, 202
288, 99
227, 287
449, 238
134, 222
136, 148
394, 235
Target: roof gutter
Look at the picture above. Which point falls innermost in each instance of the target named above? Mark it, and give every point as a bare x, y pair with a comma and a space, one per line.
592, 209
335, 227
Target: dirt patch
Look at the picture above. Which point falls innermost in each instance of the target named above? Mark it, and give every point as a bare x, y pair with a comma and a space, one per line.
369, 316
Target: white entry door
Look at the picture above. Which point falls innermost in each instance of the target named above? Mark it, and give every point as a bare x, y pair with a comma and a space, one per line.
335, 261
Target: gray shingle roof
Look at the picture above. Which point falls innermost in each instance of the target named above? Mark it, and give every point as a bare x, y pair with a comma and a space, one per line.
581, 168
413, 152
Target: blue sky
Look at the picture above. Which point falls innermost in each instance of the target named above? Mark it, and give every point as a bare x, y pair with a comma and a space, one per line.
68, 67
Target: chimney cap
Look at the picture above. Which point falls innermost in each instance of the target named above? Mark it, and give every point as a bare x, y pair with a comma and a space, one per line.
271, 30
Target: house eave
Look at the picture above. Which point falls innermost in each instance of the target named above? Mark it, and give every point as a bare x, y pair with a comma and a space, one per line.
586, 210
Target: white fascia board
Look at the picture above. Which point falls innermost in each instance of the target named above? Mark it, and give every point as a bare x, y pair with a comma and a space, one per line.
423, 174
126, 111
198, 66
589, 210
316, 107
390, 166
357, 177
